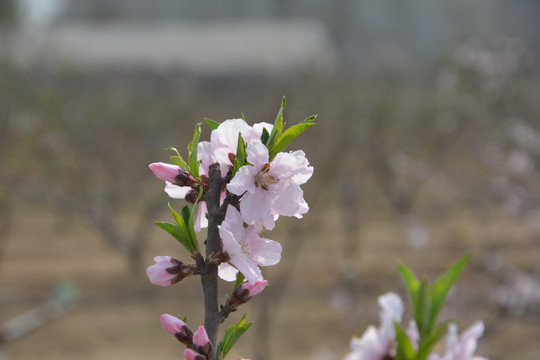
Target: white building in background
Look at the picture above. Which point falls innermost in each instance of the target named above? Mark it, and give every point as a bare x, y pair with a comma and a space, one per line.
39, 14
217, 47
48, 34
209, 36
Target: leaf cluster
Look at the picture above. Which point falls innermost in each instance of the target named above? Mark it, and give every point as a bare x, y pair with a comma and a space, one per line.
192, 165
278, 140
233, 333
427, 301
182, 229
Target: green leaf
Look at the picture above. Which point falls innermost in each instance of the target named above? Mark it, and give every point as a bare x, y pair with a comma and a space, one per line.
239, 280
187, 217
211, 123
241, 156
264, 136
192, 147
177, 217
412, 284
178, 233
277, 128
427, 344
233, 333
405, 349
177, 159
290, 134
441, 287
190, 225
422, 309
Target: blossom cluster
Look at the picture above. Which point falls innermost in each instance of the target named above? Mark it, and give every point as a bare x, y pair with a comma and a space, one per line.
247, 181
380, 343
198, 344
267, 188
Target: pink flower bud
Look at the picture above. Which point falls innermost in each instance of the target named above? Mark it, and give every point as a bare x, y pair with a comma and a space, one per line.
202, 342
172, 173
255, 289
200, 337
165, 172
167, 271
178, 328
192, 355
172, 324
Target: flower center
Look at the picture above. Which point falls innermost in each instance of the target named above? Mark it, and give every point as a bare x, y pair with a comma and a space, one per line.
264, 179
245, 248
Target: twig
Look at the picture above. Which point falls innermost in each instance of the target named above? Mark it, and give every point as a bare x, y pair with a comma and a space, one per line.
209, 278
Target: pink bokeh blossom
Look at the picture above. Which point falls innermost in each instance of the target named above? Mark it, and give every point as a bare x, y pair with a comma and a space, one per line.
375, 343
461, 347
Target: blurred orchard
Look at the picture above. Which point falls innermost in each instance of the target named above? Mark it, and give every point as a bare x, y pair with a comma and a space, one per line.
427, 146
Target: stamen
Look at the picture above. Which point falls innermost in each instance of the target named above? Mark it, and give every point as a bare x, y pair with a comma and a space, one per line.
264, 179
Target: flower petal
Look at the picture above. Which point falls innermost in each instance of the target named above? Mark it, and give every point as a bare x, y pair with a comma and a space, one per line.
227, 272
243, 180
255, 206
175, 191
257, 154
248, 268
266, 252
289, 199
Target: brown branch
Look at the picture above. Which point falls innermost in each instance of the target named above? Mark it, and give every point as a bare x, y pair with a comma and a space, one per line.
209, 278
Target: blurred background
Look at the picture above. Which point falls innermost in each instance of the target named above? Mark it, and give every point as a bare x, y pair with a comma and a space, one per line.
427, 146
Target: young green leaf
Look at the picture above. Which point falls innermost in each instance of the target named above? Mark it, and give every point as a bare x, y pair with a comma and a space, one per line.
412, 284
233, 333
192, 147
178, 233
241, 155
239, 280
211, 123
405, 349
277, 129
290, 134
264, 136
441, 287
187, 217
177, 217
422, 309
177, 159
427, 344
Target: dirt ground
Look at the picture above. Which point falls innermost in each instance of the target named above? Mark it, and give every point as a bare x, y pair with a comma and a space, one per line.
314, 308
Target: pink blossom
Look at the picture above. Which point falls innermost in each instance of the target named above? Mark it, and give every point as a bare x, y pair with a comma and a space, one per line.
200, 338
201, 342
271, 186
375, 343
461, 347
172, 324
246, 249
412, 334
192, 355
167, 271
178, 328
255, 289
224, 139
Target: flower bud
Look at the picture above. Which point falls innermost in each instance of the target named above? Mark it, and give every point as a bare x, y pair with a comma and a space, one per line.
167, 271
192, 196
243, 293
192, 355
255, 289
172, 173
178, 328
201, 341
